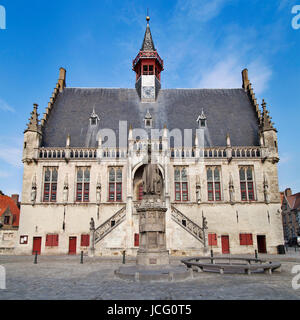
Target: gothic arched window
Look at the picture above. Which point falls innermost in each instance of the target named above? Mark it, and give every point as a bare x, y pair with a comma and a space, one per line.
213, 184
115, 184
181, 184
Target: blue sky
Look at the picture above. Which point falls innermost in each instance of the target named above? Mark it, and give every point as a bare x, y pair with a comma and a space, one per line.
204, 44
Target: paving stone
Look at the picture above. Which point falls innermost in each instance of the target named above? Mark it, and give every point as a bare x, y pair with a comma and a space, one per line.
65, 278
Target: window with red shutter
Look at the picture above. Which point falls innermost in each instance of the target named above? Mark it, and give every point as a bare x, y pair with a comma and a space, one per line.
115, 185
50, 184
51, 240
136, 239
83, 184
246, 239
85, 240
181, 184
212, 239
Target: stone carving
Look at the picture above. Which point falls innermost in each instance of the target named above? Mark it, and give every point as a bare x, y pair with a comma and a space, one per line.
266, 190
33, 189
66, 190
151, 178
92, 224
98, 191
198, 190
231, 189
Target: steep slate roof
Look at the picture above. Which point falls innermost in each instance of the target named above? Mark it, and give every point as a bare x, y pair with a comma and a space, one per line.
8, 204
294, 201
227, 111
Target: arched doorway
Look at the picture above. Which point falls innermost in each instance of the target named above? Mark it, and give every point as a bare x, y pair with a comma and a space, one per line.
138, 184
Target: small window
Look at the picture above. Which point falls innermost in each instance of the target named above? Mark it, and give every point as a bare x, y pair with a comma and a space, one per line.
23, 239
212, 239
51, 240
6, 220
246, 239
85, 240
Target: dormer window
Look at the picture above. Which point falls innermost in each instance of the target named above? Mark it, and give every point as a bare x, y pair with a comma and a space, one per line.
94, 119
202, 120
148, 120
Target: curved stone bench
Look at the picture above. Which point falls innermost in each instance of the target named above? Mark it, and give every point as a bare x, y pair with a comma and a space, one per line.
234, 265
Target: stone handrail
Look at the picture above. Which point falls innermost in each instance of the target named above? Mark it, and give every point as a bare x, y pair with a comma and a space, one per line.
105, 228
189, 225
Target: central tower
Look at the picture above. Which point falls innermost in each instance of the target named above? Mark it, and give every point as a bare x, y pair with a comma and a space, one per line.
148, 65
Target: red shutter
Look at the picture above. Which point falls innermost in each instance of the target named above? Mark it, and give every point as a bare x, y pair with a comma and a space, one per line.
212, 239
55, 243
85, 240
48, 240
136, 240
249, 239
242, 239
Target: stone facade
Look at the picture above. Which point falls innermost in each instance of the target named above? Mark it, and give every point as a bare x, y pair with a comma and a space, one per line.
114, 203
290, 214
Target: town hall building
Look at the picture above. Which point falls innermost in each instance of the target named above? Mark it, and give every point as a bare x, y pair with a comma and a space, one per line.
216, 151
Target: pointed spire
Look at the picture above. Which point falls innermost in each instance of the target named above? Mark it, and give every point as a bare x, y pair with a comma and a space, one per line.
148, 44
266, 123
33, 124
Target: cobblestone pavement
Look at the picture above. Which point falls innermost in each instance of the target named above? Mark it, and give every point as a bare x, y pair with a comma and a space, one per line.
65, 278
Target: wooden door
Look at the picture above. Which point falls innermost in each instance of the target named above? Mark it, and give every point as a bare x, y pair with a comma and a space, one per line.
37, 244
225, 244
72, 245
261, 244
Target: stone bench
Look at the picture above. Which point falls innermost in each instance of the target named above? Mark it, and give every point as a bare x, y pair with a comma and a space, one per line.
232, 265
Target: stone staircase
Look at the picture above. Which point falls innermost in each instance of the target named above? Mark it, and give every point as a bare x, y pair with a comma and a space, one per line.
187, 224
105, 228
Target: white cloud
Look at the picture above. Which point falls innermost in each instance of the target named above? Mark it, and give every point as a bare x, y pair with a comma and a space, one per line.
5, 107
11, 155
11, 150
226, 74
202, 11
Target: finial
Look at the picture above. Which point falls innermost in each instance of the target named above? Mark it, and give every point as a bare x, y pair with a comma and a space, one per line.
147, 18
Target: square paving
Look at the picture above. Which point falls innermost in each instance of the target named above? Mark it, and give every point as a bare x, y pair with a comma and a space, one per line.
64, 278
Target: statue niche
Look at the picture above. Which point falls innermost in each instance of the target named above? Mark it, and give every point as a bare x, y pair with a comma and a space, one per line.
152, 182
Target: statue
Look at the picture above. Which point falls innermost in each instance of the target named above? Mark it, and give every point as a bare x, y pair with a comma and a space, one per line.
198, 190
92, 224
33, 189
98, 190
151, 180
66, 190
151, 177
231, 189
266, 190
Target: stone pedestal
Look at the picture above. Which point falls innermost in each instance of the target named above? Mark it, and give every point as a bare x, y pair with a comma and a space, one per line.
152, 228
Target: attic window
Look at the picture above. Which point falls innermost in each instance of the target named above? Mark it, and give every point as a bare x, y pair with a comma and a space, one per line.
94, 119
202, 120
148, 120
6, 220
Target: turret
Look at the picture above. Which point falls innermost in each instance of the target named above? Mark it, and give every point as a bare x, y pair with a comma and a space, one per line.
148, 66
32, 137
269, 133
